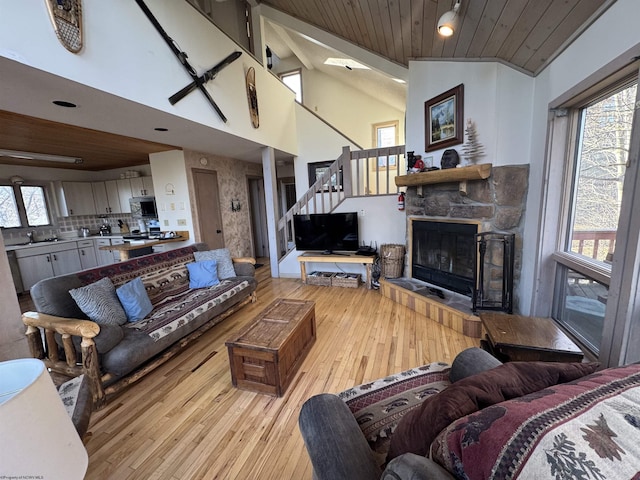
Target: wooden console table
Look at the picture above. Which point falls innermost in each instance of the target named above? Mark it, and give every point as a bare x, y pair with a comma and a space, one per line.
367, 261
528, 339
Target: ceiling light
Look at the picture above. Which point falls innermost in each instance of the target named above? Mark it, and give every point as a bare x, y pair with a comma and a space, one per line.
39, 156
448, 21
399, 80
64, 103
345, 62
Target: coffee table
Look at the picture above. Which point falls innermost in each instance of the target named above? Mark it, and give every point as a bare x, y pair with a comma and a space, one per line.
265, 355
521, 338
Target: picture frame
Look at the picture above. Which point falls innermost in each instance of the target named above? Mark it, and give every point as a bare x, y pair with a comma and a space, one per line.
444, 119
317, 169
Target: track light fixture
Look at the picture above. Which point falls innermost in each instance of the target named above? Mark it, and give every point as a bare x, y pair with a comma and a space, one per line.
448, 22
39, 156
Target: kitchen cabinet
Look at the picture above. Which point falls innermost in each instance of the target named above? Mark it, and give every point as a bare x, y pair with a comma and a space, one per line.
106, 257
47, 261
87, 253
106, 197
78, 199
124, 194
142, 186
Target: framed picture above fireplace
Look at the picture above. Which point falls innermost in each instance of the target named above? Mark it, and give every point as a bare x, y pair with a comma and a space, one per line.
444, 119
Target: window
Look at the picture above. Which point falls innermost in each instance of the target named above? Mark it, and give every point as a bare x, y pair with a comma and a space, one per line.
603, 127
603, 146
385, 135
293, 80
23, 206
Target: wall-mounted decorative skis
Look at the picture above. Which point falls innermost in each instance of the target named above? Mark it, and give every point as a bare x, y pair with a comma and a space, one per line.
198, 81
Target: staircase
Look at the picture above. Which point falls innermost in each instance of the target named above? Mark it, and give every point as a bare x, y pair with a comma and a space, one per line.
357, 173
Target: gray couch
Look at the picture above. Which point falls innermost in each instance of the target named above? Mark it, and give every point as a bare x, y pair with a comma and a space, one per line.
113, 356
480, 419
339, 450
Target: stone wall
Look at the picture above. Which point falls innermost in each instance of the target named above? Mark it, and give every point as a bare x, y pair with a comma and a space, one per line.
498, 203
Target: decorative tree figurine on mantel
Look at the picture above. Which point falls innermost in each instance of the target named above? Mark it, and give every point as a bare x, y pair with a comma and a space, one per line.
472, 149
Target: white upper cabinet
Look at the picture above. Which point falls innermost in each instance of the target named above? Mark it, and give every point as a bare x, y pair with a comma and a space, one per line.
142, 186
124, 193
78, 199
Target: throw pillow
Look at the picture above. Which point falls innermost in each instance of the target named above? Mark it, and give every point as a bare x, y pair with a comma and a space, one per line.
134, 300
418, 428
203, 274
100, 303
223, 257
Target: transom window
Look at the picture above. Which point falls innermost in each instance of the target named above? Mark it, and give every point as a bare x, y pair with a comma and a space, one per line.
23, 206
293, 80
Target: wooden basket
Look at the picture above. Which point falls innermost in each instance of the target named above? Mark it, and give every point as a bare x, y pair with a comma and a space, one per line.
391, 260
348, 280
320, 278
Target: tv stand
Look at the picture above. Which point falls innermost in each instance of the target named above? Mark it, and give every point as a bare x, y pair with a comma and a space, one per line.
331, 252
335, 258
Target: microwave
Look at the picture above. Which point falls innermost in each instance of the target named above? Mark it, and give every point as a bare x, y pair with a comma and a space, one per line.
143, 207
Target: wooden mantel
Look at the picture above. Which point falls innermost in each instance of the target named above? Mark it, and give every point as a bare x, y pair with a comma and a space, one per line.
471, 172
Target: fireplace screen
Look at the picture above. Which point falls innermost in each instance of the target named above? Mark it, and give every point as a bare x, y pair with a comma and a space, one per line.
444, 254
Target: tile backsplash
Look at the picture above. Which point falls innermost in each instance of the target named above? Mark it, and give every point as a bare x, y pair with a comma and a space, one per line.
66, 227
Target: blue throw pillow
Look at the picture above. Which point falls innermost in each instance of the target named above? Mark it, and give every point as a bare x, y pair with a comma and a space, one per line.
203, 274
134, 300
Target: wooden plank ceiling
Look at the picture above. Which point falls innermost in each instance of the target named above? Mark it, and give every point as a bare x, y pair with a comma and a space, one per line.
523, 33
100, 150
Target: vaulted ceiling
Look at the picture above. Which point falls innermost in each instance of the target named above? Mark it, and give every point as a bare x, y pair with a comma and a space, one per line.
524, 33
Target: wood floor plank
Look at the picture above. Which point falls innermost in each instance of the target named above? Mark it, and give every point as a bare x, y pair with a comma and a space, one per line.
186, 421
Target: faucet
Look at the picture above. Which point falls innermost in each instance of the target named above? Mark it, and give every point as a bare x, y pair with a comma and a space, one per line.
30, 236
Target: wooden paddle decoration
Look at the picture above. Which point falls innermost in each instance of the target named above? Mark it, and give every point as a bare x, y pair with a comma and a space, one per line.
66, 17
252, 96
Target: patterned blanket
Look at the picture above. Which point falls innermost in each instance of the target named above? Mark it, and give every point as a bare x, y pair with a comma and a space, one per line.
177, 304
378, 406
586, 429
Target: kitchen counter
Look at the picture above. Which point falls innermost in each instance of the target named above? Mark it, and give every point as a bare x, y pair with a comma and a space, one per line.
132, 245
40, 243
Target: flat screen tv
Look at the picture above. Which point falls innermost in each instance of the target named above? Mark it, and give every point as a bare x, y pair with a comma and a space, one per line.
327, 232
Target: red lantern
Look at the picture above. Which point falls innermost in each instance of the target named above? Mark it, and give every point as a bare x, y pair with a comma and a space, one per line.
401, 201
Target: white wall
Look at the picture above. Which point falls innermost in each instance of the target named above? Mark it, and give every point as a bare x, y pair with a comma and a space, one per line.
348, 109
170, 174
498, 99
125, 56
317, 142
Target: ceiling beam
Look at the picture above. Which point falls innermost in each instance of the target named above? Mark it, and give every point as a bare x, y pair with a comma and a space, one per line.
289, 42
317, 35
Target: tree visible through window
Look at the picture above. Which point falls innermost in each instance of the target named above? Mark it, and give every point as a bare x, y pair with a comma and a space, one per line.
605, 132
29, 199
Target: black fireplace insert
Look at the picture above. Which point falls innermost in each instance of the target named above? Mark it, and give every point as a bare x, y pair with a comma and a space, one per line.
444, 254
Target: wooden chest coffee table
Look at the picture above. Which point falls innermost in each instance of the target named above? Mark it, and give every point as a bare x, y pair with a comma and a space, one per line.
519, 338
265, 355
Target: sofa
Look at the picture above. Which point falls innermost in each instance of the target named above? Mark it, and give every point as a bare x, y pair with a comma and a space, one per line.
478, 419
114, 355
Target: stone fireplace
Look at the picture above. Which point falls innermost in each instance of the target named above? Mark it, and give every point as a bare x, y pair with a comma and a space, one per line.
459, 210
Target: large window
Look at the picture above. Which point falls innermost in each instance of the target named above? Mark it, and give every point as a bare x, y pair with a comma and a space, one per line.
603, 134
23, 206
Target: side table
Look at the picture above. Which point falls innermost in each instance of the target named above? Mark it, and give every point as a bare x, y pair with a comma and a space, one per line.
521, 338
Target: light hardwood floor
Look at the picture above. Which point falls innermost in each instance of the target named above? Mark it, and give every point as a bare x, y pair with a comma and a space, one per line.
186, 421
